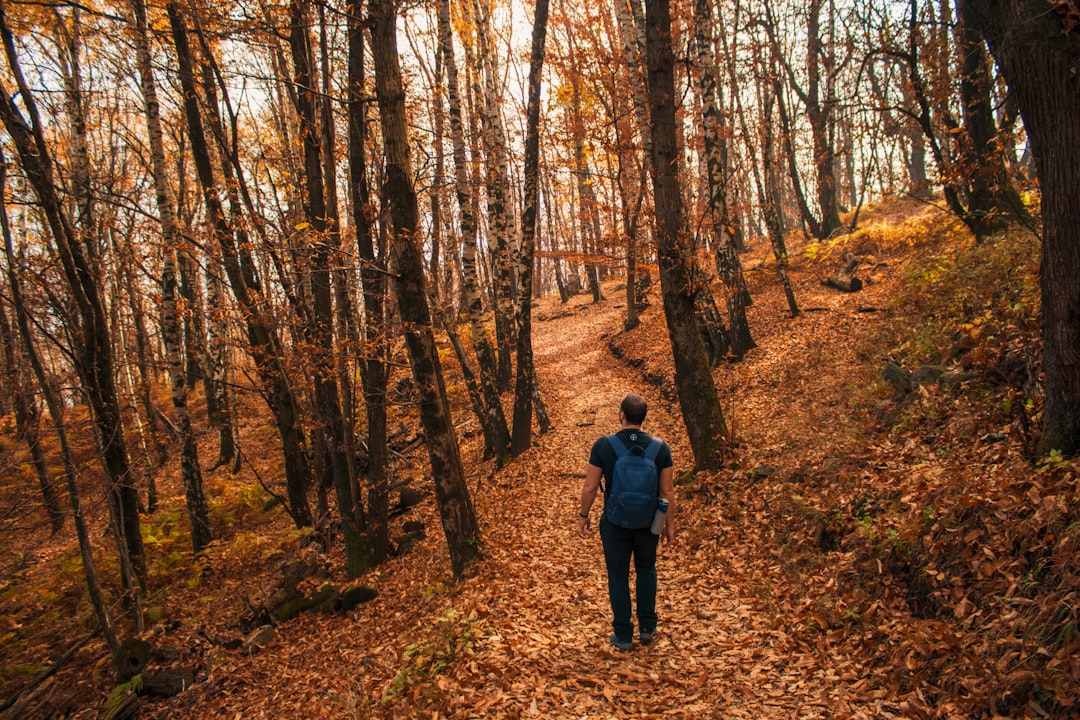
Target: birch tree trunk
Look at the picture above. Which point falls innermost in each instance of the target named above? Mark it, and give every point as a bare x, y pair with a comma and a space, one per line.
198, 512
628, 13
219, 364
451, 492
727, 259
494, 420
526, 386
767, 189
499, 196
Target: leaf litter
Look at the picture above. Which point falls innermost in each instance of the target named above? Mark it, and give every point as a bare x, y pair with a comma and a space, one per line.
856, 557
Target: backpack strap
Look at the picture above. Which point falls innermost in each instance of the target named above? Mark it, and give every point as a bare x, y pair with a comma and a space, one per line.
653, 449
618, 446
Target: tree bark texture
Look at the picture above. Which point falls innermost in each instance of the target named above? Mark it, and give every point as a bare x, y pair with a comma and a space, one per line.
727, 259
451, 492
1037, 46
327, 398
496, 432
992, 199
501, 227
27, 420
698, 400
772, 203
52, 404
198, 513
526, 372
375, 369
264, 346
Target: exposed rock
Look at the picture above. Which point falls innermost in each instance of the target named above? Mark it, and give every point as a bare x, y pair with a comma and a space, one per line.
132, 657
763, 471
292, 607
259, 639
898, 377
406, 542
927, 375
169, 682
356, 596
951, 380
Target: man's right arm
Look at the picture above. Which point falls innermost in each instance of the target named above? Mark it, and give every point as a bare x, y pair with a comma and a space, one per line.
667, 491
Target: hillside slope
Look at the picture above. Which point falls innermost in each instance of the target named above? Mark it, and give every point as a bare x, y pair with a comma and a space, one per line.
861, 554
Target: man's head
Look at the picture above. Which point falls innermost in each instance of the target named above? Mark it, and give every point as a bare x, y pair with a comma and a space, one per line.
633, 409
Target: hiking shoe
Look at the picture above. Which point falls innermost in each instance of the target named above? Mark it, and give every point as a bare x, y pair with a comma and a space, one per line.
647, 636
623, 645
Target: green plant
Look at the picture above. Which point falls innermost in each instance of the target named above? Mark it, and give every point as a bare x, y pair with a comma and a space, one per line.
121, 692
1053, 461
451, 635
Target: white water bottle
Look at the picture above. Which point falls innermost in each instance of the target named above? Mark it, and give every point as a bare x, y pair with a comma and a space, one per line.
660, 517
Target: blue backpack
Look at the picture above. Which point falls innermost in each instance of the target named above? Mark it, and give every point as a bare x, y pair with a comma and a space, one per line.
634, 486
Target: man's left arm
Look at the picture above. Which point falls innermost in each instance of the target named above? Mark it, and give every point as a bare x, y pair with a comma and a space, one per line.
588, 495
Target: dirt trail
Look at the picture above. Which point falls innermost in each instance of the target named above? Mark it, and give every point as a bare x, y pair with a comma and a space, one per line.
527, 636
549, 622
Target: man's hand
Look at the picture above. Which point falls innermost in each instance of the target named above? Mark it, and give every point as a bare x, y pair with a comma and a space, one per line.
584, 525
669, 531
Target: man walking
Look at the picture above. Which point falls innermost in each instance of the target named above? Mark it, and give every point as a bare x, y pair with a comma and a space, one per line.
621, 544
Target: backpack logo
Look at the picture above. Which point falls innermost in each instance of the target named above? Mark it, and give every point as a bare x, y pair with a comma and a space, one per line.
635, 485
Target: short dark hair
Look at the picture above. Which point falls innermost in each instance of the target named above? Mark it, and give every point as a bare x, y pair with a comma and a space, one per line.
634, 408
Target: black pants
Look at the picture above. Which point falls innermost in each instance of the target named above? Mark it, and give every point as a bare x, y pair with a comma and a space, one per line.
620, 545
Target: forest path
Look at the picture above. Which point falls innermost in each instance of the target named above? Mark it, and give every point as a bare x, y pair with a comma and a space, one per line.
547, 617
527, 635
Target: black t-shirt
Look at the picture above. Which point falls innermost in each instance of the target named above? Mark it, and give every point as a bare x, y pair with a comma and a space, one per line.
603, 455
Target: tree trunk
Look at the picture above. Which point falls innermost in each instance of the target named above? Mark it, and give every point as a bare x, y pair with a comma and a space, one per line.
327, 399
500, 225
588, 213
526, 372
771, 205
374, 286
819, 111
992, 199
451, 492
700, 405
198, 512
788, 135
628, 12
218, 363
727, 259
496, 432
345, 314
146, 375
27, 420
264, 345
1038, 52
